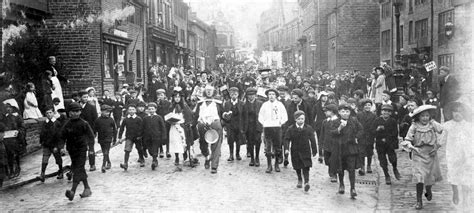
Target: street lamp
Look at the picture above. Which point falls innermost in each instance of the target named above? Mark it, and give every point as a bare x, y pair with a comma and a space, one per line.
398, 69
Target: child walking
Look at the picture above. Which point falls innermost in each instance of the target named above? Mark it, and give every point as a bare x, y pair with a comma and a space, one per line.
133, 124
422, 141
106, 133
154, 133
346, 153
300, 136
366, 117
51, 143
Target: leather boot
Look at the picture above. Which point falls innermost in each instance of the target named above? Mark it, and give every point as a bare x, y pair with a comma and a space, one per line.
419, 193
269, 165
277, 168
397, 174
87, 193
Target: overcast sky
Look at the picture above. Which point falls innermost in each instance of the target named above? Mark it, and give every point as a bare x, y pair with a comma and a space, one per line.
243, 14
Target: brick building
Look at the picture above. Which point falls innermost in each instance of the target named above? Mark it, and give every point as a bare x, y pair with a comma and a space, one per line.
161, 32
424, 36
352, 34
197, 42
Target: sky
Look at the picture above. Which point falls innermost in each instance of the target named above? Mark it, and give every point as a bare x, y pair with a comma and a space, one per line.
242, 14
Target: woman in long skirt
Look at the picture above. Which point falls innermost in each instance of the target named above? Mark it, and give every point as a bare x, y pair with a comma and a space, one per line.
422, 141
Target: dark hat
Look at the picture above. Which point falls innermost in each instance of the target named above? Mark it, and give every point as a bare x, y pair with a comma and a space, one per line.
306, 80
105, 107
298, 113
359, 93
61, 110
297, 92
133, 91
152, 104
56, 100
233, 89
388, 107
132, 105
83, 92
283, 88
74, 106
330, 107
379, 68
364, 101
351, 101
387, 92
344, 106
272, 90
141, 104
251, 91
406, 97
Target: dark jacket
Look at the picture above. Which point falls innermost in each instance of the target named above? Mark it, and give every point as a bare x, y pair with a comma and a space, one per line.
449, 90
105, 128
389, 133
250, 116
303, 106
327, 141
154, 129
318, 115
77, 134
347, 136
163, 107
303, 143
89, 114
49, 137
134, 127
236, 118
367, 120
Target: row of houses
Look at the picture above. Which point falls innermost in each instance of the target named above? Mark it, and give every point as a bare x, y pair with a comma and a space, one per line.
106, 43
337, 35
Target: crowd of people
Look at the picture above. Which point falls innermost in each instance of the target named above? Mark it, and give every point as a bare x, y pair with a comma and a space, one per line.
338, 118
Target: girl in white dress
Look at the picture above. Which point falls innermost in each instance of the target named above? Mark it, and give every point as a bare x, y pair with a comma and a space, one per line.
31, 104
460, 156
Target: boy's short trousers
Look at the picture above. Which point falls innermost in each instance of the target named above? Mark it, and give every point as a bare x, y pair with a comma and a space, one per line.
128, 145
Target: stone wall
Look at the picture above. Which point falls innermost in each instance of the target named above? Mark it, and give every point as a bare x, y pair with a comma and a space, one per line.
33, 129
79, 46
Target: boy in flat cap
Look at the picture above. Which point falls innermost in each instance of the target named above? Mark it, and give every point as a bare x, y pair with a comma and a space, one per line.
134, 134
77, 134
297, 104
89, 114
233, 123
367, 118
386, 141
51, 143
253, 129
106, 132
163, 108
154, 133
327, 143
298, 135
272, 116
346, 154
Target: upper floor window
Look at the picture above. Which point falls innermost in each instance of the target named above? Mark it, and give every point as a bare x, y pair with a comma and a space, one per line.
444, 18
420, 2
421, 29
137, 17
386, 10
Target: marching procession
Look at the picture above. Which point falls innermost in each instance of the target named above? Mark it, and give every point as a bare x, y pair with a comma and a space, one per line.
336, 119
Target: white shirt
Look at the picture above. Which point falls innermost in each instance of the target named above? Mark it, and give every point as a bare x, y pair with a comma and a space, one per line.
272, 114
300, 127
208, 113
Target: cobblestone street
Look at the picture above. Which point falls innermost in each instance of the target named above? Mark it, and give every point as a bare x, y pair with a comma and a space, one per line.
236, 187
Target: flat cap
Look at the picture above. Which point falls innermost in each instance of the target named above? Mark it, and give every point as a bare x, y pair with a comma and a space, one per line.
74, 106
251, 91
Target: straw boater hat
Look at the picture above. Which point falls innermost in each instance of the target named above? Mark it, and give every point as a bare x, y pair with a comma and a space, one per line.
421, 109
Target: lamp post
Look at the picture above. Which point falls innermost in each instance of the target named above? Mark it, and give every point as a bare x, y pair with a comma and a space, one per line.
398, 69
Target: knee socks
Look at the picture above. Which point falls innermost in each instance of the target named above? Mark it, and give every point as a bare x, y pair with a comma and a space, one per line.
306, 174
298, 173
341, 178
352, 178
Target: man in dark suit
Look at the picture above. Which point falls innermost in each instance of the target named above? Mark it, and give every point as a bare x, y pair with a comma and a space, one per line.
233, 123
449, 91
89, 114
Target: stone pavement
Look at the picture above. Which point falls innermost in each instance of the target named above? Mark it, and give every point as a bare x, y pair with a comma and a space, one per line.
401, 195
236, 187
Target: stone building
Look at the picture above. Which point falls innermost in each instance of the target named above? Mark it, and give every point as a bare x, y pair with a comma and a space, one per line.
439, 31
180, 15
